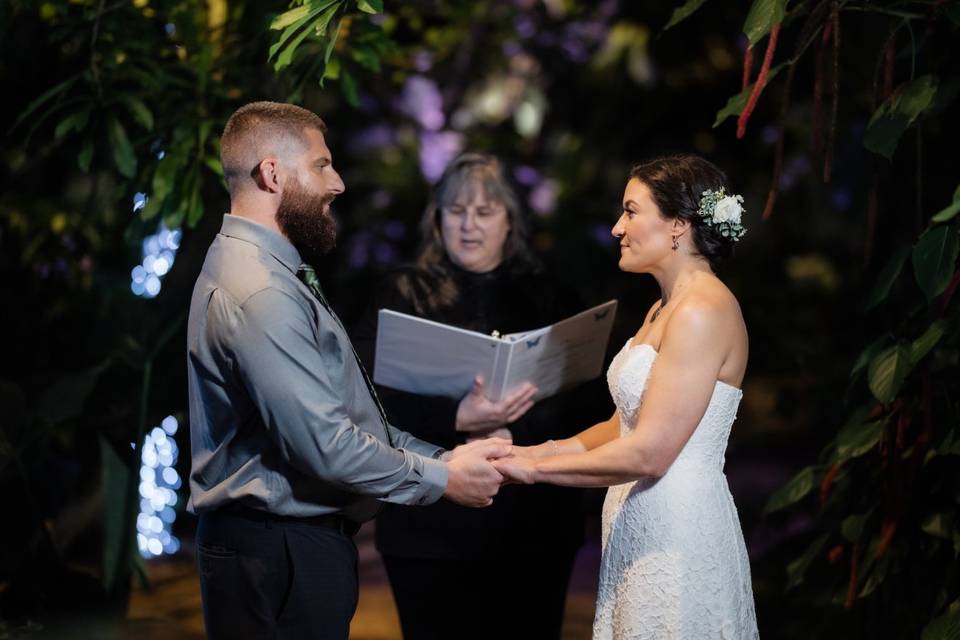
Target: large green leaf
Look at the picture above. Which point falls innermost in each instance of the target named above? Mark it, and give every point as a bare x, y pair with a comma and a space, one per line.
304, 19
682, 13
793, 491
798, 568
891, 271
939, 525
887, 371
949, 212
737, 103
897, 113
76, 121
164, 180
85, 157
935, 258
856, 439
852, 527
946, 626
867, 355
876, 577
287, 18
922, 345
764, 14
115, 476
138, 110
370, 6
123, 155
65, 399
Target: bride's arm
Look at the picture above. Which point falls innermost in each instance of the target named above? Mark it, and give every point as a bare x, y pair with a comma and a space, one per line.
678, 391
588, 439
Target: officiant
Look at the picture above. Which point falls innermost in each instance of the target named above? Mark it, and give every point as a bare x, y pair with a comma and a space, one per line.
475, 270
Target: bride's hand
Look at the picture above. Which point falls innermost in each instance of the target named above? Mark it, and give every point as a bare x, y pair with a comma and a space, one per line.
476, 413
516, 469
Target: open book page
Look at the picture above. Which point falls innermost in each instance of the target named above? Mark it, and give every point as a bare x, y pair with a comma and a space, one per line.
430, 358
562, 355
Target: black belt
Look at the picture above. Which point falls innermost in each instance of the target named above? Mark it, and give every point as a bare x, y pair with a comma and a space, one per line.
329, 520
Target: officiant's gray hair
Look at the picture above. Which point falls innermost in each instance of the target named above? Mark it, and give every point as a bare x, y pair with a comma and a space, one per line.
469, 171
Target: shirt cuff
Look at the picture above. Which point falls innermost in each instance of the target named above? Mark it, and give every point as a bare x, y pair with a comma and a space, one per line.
434, 481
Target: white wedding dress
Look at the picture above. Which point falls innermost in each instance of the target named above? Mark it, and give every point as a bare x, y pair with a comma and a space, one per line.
674, 561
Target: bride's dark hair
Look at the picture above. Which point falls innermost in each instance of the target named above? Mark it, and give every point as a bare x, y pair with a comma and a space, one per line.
676, 184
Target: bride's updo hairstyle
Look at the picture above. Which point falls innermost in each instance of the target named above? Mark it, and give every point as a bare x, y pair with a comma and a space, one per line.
677, 184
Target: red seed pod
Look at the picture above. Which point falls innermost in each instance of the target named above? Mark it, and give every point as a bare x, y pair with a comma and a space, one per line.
747, 67
760, 83
835, 554
827, 481
887, 529
852, 585
888, 52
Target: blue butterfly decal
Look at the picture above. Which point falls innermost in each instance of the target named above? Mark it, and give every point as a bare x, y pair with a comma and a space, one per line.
532, 343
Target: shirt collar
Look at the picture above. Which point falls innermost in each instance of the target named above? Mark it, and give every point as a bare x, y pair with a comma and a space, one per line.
267, 239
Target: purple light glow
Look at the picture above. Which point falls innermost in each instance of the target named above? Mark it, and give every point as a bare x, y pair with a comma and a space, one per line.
543, 197
421, 100
437, 150
526, 175
601, 234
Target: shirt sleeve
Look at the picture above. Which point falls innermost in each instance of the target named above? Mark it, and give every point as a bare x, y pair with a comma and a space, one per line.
284, 364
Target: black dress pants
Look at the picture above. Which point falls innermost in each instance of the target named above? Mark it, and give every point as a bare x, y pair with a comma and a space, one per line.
275, 579
500, 597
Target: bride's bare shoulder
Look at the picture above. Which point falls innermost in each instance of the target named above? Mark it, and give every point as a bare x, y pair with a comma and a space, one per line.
708, 306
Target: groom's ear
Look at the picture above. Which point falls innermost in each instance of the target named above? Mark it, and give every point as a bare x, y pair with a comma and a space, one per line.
267, 175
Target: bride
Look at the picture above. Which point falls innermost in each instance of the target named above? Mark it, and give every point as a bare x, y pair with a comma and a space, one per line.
674, 562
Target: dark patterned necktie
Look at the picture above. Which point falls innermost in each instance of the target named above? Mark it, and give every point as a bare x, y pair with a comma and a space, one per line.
309, 277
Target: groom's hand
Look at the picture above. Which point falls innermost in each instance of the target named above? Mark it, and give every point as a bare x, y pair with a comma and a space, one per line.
476, 413
472, 479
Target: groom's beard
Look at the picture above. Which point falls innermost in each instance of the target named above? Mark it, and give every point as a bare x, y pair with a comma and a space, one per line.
305, 219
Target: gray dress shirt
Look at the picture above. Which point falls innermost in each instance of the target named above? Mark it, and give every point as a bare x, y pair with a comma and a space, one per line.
281, 419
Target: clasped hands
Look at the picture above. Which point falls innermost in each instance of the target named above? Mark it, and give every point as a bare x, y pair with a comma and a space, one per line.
478, 469
489, 460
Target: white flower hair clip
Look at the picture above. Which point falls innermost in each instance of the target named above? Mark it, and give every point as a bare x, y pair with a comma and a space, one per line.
723, 212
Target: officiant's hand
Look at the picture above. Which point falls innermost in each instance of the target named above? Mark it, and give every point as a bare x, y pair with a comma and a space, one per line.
502, 433
477, 413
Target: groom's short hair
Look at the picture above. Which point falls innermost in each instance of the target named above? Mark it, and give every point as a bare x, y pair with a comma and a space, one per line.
261, 129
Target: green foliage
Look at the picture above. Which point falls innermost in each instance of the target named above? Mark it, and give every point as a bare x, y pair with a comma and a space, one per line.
683, 12
763, 15
794, 491
897, 114
737, 103
935, 258
888, 506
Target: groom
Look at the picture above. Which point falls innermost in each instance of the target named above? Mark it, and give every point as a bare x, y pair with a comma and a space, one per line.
291, 448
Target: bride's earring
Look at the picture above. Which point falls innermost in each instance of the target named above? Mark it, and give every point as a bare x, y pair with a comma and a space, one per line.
676, 243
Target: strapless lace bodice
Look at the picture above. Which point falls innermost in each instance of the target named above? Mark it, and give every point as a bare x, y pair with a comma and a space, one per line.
627, 380
674, 561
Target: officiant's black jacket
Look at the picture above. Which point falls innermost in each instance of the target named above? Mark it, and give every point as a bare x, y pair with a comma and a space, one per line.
538, 518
